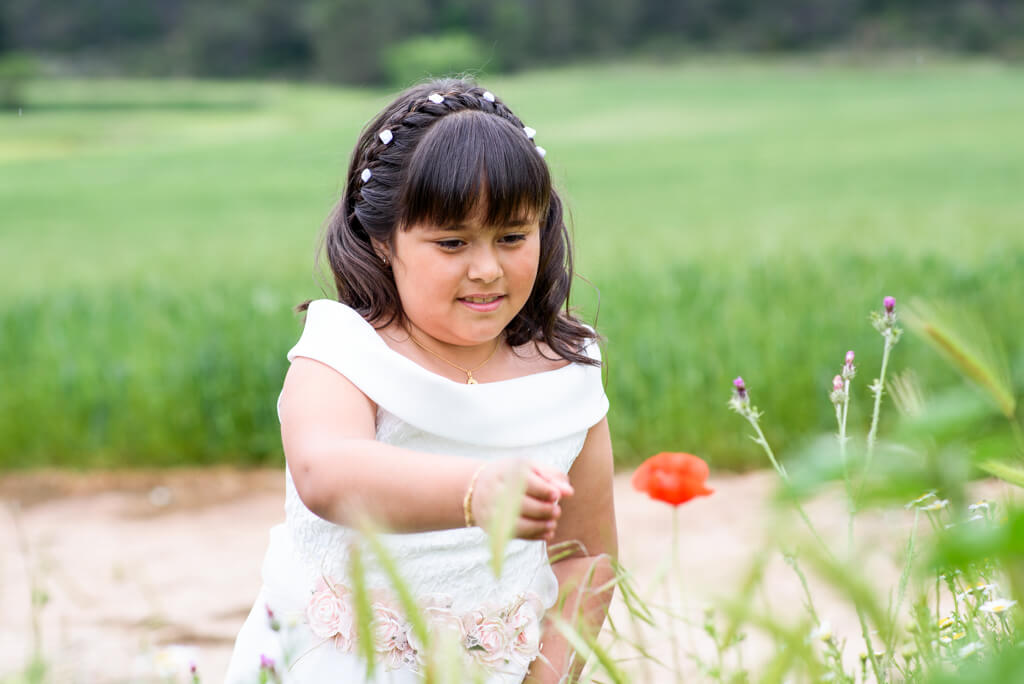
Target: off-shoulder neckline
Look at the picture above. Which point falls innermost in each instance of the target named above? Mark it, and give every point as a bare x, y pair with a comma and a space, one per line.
376, 338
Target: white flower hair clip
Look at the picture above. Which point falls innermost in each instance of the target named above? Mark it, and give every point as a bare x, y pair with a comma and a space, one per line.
531, 133
366, 175
489, 96
436, 98
386, 136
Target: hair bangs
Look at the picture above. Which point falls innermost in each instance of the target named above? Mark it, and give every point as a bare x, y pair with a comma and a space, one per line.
470, 162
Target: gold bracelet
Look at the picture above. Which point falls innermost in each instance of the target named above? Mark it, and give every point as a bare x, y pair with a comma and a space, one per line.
467, 501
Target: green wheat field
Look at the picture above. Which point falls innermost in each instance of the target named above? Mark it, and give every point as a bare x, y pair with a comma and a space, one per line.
731, 217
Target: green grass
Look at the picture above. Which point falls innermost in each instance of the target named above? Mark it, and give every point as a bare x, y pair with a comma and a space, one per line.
738, 217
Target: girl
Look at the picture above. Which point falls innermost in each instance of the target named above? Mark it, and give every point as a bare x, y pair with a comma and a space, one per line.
448, 368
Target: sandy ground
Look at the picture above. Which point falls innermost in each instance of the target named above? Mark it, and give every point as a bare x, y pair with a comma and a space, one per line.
134, 563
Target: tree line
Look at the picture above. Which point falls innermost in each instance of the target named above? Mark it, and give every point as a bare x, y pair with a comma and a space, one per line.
377, 41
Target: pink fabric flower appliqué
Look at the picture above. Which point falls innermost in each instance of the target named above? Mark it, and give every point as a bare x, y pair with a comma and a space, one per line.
330, 614
391, 638
524, 635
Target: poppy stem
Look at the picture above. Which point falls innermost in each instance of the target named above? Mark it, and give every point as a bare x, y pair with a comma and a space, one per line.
674, 580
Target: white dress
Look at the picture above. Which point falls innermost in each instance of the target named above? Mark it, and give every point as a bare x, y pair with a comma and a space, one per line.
543, 417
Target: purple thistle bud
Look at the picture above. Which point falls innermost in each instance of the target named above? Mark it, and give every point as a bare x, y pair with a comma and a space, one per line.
741, 388
889, 303
837, 383
192, 668
849, 358
266, 663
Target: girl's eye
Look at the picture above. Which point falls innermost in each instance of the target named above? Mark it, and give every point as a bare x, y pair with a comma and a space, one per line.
450, 244
513, 238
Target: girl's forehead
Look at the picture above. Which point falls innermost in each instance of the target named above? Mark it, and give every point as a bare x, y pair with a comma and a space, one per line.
476, 220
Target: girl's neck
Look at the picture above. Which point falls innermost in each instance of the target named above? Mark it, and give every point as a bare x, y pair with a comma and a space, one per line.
454, 359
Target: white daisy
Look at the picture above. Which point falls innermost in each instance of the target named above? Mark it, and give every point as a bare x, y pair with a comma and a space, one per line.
921, 499
997, 605
823, 632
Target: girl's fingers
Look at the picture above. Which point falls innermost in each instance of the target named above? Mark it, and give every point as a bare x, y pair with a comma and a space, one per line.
534, 529
540, 488
555, 478
539, 510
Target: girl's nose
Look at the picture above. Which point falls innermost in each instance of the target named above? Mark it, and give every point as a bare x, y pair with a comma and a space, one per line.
484, 265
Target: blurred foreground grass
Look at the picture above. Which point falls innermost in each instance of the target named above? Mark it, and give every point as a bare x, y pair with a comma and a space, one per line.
737, 217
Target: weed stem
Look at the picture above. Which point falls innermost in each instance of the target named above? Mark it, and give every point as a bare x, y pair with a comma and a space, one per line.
878, 388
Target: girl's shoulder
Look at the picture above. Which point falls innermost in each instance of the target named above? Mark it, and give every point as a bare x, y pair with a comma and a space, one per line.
536, 357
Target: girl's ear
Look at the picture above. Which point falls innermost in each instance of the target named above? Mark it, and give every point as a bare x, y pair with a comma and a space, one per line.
382, 251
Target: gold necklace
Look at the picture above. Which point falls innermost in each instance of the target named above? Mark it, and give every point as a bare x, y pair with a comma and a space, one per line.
470, 380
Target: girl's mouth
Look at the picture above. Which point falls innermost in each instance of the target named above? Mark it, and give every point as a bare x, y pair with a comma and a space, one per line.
483, 304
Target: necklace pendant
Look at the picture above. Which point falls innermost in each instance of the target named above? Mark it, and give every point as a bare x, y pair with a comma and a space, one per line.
471, 380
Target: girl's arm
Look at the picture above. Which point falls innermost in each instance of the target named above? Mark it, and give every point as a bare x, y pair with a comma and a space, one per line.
587, 518
328, 429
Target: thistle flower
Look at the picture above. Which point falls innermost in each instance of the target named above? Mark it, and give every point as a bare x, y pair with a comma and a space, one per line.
838, 394
266, 663
885, 323
740, 401
741, 388
849, 370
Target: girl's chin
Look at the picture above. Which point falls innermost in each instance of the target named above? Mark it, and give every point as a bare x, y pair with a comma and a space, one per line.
478, 335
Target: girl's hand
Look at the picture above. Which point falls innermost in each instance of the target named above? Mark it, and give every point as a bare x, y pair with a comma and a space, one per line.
538, 509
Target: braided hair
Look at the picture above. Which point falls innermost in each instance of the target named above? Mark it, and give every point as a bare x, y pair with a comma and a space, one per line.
433, 155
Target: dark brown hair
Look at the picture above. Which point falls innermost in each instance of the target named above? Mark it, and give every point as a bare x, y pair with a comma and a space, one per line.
441, 161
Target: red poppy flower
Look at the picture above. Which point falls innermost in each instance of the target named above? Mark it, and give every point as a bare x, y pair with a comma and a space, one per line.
672, 478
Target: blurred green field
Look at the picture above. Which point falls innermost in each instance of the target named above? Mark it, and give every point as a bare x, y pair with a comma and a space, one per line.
737, 217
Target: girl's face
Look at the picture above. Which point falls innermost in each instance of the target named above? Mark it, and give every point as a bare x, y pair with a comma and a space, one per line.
462, 284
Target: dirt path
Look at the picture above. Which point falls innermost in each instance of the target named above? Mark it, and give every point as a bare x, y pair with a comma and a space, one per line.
132, 563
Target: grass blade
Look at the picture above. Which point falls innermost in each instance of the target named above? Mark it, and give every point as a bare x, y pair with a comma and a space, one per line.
502, 525
364, 610
966, 345
588, 647
1004, 471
